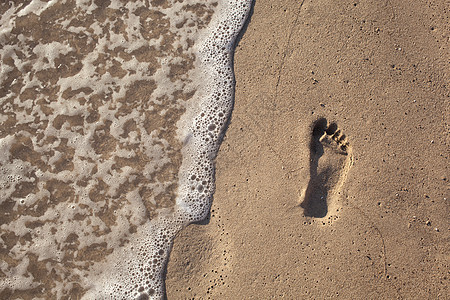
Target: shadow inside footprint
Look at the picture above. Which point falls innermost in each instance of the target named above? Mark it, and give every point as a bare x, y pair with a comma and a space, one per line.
326, 141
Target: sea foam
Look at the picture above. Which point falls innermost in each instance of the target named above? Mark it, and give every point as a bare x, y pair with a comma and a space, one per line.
111, 117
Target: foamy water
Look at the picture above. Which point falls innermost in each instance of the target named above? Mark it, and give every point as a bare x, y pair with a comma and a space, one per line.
111, 114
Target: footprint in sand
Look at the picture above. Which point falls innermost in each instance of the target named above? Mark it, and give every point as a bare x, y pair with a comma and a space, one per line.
330, 161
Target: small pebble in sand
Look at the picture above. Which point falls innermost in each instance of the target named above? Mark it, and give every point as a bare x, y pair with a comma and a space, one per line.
436, 229
428, 223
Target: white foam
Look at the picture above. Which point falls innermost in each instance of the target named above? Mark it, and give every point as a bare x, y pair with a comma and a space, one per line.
92, 182
207, 117
36, 7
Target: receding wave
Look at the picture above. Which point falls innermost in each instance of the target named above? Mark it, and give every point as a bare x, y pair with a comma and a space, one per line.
111, 114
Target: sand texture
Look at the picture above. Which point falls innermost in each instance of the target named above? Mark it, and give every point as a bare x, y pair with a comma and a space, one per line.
332, 180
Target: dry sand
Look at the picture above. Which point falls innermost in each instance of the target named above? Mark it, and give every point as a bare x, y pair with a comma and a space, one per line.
377, 69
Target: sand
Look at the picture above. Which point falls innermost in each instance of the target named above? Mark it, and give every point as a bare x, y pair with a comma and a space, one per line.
358, 206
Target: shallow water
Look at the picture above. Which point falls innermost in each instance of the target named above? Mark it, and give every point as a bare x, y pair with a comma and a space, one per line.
111, 114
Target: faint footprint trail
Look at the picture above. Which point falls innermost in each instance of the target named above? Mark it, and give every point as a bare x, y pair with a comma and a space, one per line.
330, 160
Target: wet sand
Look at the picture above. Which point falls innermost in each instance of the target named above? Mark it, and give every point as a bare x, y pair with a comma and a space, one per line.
332, 180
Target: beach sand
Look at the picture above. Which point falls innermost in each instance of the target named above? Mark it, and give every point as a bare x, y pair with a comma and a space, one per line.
302, 211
